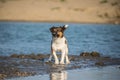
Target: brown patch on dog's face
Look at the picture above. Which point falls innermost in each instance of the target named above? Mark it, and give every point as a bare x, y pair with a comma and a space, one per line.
57, 31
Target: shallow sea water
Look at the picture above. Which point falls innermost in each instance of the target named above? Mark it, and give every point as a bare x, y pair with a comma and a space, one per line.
31, 37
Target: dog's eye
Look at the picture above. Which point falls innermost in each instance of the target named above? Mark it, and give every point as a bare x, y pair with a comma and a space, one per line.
54, 29
59, 30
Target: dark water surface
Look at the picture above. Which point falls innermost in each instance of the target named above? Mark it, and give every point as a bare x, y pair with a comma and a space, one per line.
27, 38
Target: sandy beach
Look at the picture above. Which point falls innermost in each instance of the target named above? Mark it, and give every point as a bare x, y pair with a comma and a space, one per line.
95, 11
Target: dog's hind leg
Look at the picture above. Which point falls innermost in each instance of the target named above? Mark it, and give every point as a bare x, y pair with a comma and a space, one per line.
67, 60
62, 57
66, 57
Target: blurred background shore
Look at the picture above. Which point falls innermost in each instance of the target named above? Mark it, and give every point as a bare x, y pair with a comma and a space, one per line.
81, 11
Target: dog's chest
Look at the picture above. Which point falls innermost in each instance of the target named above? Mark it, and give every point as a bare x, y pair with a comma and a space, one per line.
59, 43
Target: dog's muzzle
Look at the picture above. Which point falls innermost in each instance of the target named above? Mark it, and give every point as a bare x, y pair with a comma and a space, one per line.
55, 34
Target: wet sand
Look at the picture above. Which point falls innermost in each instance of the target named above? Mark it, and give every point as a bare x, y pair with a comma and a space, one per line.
95, 73
35, 65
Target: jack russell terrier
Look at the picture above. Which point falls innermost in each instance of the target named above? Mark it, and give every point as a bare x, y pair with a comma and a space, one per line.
59, 44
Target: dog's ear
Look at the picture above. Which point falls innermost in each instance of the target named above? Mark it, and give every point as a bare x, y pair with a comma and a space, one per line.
51, 29
65, 27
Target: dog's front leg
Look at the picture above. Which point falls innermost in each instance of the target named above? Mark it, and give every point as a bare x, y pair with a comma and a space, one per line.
62, 57
50, 58
55, 57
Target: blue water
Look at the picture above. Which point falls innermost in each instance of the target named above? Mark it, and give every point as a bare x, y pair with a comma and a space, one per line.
27, 38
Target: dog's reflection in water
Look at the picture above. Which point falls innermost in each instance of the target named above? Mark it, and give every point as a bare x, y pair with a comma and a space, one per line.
59, 75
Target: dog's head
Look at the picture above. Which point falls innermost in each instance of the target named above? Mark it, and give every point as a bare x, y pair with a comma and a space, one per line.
58, 32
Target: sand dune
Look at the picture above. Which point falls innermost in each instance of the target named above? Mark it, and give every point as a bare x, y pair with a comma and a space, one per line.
86, 11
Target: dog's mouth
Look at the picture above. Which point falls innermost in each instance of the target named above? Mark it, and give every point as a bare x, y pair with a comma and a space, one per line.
54, 34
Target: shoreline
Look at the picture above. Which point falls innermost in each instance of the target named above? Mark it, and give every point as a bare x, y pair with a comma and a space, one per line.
47, 21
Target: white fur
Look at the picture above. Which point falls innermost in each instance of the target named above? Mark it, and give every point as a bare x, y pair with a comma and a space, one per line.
66, 26
59, 45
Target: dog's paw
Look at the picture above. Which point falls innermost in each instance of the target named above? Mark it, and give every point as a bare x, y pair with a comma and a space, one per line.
62, 63
56, 62
68, 62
